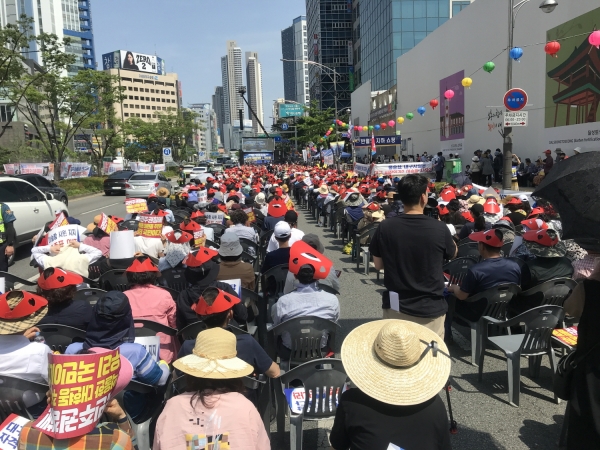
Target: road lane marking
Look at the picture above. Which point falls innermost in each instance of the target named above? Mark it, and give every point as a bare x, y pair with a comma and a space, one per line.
33, 278
98, 209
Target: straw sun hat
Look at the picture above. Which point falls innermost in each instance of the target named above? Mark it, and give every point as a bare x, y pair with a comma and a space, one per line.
395, 362
214, 356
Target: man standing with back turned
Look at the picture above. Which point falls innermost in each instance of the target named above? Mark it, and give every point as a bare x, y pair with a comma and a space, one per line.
411, 248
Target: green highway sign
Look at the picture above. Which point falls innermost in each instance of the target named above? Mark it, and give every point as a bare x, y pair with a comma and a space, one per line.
292, 110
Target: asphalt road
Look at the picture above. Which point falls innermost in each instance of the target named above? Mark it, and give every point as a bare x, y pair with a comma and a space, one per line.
84, 209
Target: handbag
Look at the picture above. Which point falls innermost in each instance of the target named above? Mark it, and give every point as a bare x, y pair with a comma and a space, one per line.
563, 377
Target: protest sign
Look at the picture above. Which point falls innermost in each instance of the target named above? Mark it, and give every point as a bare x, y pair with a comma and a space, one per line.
250, 213
289, 203
10, 431
60, 221
136, 205
152, 345
203, 196
9, 169
159, 168
107, 225
214, 218
64, 235
401, 168
235, 284
150, 226
199, 238
80, 388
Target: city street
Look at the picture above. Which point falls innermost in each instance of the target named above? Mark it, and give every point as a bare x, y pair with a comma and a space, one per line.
485, 418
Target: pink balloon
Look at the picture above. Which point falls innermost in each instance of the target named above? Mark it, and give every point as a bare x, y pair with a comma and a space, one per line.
359, 128
391, 123
594, 39
449, 94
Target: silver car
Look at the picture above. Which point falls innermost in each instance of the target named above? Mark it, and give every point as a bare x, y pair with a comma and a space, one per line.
141, 185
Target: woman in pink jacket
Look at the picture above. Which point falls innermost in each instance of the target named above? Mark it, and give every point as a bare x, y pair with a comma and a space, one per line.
150, 302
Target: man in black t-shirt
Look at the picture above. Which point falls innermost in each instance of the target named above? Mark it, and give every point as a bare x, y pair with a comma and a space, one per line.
412, 247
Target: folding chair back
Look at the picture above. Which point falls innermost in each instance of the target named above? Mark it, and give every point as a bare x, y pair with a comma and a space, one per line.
173, 292
9, 277
17, 394
539, 324
273, 280
208, 243
306, 334
468, 249
497, 299
552, 292
218, 229
129, 225
190, 331
174, 279
114, 280
90, 295
506, 249
458, 268
59, 337
263, 243
249, 247
144, 328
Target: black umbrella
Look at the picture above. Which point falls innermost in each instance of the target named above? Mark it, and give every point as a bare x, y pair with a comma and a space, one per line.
573, 187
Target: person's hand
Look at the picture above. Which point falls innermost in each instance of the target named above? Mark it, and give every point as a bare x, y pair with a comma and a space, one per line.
55, 248
31, 333
74, 244
114, 411
9, 250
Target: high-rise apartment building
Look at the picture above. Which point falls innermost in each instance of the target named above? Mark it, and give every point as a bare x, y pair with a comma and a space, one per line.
47, 18
329, 33
385, 29
205, 139
231, 74
294, 46
254, 82
219, 108
77, 24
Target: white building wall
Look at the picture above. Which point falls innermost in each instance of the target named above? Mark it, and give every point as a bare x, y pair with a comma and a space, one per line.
361, 108
467, 42
301, 53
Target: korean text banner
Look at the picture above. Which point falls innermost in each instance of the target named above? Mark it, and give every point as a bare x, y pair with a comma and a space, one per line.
401, 168
64, 235
214, 218
80, 388
380, 141
75, 170
135, 205
10, 431
150, 226
109, 167
362, 169
138, 62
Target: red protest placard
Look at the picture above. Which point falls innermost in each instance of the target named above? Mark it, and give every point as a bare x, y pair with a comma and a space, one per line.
60, 221
250, 213
199, 238
80, 388
566, 335
136, 205
107, 225
150, 226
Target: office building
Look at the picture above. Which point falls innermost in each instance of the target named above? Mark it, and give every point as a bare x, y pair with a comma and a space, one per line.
219, 108
148, 88
47, 18
329, 30
386, 29
205, 138
254, 81
77, 24
294, 46
231, 74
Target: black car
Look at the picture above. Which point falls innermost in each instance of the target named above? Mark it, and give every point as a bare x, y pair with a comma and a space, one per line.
115, 183
45, 185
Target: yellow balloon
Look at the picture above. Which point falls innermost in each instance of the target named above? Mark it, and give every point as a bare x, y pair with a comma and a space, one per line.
467, 82
400, 120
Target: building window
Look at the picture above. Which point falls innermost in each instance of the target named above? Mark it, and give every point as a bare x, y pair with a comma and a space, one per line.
459, 6
125, 105
143, 115
135, 89
126, 114
136, 98
153, 107
162, 100
162, 92
137, 115
131, 97
129, 88
137, 106
147, 90
143, 106
164, 108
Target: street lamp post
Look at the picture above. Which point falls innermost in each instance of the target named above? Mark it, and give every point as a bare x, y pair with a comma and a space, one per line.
334, 77
546, 6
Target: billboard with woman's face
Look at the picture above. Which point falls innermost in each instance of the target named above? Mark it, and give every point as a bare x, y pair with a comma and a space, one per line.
138, 62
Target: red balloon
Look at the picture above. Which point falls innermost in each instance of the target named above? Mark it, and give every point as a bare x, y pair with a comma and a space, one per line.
552, 48
433, 103
383, 125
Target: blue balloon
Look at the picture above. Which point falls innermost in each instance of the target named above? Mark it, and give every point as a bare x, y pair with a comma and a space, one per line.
516, 53
377, 127
421, 110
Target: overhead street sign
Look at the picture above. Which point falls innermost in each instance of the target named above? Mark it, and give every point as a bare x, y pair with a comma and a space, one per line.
515, 99
277, 138
284, 126
516, 118
291, 110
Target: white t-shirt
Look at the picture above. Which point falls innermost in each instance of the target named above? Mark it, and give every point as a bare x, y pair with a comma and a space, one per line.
148, 246
23, 359
297, 235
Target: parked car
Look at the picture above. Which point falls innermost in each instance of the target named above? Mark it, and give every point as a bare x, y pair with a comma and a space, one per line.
32, 208
216, 168
115, 182
203, 177
187, 169
142, 184
45, 185
197, 171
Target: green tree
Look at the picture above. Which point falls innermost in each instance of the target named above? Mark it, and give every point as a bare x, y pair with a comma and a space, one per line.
173, 129
314, 124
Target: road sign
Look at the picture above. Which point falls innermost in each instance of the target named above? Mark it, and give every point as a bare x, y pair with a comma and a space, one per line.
516, 118
167, 155
515, 99
277, 138
167, 151
293, 110
285, 126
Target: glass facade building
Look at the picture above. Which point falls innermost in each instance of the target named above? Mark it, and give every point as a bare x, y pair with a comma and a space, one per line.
77, 24
386, 29
329, 27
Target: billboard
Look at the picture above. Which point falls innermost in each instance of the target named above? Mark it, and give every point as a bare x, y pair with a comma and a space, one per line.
258, 145
139, 62
452, 114
292, 110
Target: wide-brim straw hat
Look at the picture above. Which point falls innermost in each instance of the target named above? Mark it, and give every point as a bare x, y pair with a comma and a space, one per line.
214, 356
162, 192
393, 361
474, 199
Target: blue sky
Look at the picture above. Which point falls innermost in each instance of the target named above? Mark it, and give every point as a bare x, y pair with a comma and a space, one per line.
190, 36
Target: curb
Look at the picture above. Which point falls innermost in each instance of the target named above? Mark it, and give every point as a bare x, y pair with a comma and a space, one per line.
78, 196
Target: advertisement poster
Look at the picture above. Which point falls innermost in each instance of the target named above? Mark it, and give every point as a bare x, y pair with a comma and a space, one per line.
149, 226
135, 205
452, 114
138, 62
64, 235
572, 116
258, 145
401, 169
80, 387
